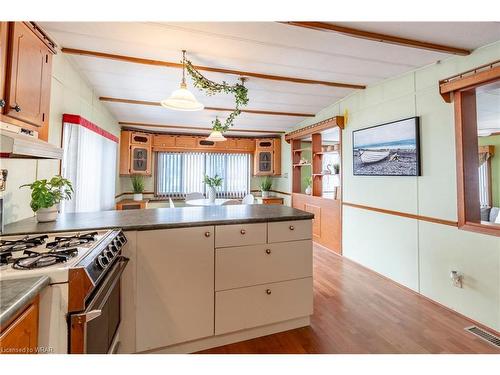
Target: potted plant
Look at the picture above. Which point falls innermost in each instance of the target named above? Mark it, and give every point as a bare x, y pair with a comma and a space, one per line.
308, 181
137, 186
212, 183
46, 195
336, 168
265, 186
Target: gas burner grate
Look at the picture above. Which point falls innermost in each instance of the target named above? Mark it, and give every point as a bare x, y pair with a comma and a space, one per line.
22, 243
72, 241
37, 260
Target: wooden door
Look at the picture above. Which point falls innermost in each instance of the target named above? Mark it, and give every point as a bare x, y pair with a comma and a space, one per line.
28, 77
175, 286
21, 336
140, 160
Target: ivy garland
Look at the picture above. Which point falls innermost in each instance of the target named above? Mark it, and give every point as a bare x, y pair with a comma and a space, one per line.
239, 91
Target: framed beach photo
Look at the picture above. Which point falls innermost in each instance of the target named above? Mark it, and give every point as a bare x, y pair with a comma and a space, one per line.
390, 149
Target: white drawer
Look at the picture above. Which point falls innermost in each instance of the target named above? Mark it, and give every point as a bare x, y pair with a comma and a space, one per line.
242, 266
240, 234
289, 231
243, 308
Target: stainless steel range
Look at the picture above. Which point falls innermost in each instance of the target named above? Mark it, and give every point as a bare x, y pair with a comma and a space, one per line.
80, 312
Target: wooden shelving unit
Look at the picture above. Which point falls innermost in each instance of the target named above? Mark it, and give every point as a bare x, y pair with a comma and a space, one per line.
302, 149
302, 165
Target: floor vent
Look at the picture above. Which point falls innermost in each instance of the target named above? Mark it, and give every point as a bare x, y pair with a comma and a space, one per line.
486, 336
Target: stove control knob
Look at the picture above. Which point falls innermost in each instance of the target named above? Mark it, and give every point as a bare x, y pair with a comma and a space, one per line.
102, 261
109, 253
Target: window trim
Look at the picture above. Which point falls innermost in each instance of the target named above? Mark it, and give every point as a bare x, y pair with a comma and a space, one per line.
464, 98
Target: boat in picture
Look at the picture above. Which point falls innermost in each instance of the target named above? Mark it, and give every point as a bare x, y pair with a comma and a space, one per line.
373, 156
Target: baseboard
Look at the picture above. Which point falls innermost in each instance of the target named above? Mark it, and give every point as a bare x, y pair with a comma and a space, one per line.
481, 325
230, 338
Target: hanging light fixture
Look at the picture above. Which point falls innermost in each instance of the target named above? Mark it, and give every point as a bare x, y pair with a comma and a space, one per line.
216, 136
182, 99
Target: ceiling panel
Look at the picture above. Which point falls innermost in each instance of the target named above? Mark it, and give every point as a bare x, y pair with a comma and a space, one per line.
263, 47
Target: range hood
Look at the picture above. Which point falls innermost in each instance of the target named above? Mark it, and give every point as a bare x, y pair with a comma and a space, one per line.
20, 143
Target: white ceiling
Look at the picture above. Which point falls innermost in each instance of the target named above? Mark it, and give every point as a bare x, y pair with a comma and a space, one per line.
263, 47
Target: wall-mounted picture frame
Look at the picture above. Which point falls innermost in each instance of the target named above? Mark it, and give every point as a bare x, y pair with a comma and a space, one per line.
389, 149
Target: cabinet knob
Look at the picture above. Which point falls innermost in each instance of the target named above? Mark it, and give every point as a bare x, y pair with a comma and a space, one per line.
268, 291
291, 227
243, 231
207, 234
16, 108
268, 251
2, 103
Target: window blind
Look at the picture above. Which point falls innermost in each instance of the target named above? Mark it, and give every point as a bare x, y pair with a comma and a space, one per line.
178, 174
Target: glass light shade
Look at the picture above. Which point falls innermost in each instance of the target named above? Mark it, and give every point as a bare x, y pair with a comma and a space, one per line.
182, 100
216, 136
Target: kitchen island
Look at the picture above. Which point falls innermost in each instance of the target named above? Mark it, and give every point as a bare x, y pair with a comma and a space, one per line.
201, 277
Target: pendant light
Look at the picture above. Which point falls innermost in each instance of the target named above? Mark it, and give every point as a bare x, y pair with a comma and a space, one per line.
216, 136
182, 99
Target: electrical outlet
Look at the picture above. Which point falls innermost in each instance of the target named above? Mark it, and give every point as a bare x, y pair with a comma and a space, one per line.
457, 279
3, 179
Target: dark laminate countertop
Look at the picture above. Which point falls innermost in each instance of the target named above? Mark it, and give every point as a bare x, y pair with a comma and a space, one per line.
157, 218
16, 294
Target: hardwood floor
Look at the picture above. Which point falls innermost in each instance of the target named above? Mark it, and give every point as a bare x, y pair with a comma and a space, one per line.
359, 311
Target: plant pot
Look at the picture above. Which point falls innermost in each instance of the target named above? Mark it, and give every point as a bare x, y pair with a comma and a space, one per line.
266, 194
45, 215
211, 194
137, 196
308, 190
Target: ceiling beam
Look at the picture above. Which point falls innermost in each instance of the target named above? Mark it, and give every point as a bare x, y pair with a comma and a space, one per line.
208, 130
139, 60
253, 111
383, 38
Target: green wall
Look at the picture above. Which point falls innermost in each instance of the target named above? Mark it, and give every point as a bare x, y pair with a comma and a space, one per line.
494, 140
415, 253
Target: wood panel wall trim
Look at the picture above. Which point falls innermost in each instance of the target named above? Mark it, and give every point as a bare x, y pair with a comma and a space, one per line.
252, 111
378, 37
139, 60
403, 214
469, 79
316, 128
127, 124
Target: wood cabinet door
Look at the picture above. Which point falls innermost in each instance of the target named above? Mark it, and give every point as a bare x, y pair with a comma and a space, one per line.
140, 160
3, 63
29, 70
175, 286
21, 336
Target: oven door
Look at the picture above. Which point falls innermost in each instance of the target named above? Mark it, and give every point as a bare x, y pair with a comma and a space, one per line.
94, 330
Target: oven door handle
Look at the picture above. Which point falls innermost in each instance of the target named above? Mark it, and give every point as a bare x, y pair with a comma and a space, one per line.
87, 316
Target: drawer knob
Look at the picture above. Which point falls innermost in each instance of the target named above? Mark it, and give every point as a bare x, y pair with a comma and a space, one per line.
207, 234
16, 108
291, 227
2, 103
268, 291
268, 251
243, 231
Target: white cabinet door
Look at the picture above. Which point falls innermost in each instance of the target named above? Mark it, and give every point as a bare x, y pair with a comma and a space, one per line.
175, 286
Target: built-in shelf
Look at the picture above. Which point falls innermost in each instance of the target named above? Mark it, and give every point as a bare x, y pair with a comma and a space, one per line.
325, 152
302, 149
301, 165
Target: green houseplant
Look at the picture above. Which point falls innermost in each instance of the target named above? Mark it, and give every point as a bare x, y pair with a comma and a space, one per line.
212, 183
46, 196
137, 186
265, 186
308, 181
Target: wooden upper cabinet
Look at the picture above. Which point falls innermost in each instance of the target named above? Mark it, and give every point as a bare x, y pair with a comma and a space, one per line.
3, 63
26, 76
267, 158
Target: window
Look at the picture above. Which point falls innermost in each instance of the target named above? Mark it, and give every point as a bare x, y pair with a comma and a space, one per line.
180, 173
485, 191
89, 162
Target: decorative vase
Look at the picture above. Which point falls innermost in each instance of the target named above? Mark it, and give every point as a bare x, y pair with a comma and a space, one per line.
265, 194
137, 196
211, 194
308, 190
45, 215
